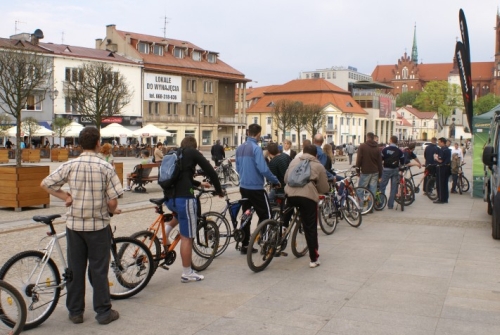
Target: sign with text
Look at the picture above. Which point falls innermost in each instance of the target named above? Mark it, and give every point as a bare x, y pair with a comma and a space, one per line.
162, 88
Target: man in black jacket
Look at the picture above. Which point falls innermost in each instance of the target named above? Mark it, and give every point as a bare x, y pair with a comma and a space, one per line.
429, 152
184, 206
443, 158
218, 153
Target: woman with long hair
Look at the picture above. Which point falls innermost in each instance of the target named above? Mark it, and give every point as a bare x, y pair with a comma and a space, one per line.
330, 159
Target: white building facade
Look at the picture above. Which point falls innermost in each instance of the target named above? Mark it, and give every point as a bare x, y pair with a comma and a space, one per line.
337, 75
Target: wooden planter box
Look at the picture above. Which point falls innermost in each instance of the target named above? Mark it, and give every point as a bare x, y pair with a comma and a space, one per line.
119, 171
20, 186
4, 155
59, 155
30, 155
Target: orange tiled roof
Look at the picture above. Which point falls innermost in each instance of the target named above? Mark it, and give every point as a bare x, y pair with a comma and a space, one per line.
309, 91
186, 65
75, 51
438, 71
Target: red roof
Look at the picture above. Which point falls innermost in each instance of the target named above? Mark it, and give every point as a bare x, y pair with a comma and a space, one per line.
309, 91
185, 65
8, 43
419, 114
74, 51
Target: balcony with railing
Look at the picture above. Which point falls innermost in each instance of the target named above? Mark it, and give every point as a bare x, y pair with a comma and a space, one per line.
224, 120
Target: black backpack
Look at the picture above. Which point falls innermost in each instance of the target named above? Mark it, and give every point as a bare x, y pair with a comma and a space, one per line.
392, 161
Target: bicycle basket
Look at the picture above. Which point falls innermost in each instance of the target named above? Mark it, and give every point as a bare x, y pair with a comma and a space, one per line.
234, 210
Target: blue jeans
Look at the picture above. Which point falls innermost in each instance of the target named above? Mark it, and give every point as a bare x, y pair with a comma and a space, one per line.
369, 181
393, 176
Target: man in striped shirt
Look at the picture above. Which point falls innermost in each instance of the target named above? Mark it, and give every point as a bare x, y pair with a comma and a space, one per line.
94, 190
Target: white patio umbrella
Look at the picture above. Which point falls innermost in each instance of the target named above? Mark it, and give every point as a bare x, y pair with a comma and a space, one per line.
73, 129
12, 131
116, 130
151, 130
42, 131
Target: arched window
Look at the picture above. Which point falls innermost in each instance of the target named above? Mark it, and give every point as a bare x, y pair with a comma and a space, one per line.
405, 73
404, 88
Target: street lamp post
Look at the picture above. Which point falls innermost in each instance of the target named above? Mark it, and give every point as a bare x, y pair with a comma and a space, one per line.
53, 96
200, 106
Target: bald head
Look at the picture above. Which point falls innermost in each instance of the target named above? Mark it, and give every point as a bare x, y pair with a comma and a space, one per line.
318, 139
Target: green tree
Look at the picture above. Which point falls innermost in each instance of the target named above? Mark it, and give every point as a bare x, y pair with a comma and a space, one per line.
282, 115
24, 75
314, 118
407, 98
486, 103
297, 118
5, 122
30, 126
98, 92
60, 126
440, 97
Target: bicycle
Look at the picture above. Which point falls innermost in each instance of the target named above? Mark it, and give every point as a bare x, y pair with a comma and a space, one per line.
363, 195
12, 309
431, 185
35, 274
337, 205
226, 172
226, 229
462, 182
405, 195
205, 244
411, 179
380, 199
270, 238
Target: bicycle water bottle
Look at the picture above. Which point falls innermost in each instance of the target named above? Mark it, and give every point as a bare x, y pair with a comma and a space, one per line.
246, 215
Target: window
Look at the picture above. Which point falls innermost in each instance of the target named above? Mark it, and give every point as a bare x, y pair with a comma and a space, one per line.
193, 85
205, 110
425, 124
143, 47
208, 86
33, 103
211, 110
71, 105
188, 86
178, 52
74, 74
158, 50
294, 138
405, 73
193, 109
196, 56
269, 120
328, 75
404, 88
172, 108
341, 121
157, 108
189, 133
188, 109
303, 137
307, 75
255, 119
359, 122
413, 123
212, 58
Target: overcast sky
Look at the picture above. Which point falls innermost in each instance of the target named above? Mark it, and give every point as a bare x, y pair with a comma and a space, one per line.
271, 41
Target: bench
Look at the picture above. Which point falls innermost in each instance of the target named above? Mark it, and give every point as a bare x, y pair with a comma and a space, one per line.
141, 176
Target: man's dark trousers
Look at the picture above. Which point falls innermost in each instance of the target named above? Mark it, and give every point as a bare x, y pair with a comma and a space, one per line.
308, 215
260, 202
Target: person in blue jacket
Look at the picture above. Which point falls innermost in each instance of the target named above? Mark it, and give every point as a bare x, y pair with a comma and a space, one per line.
252, 168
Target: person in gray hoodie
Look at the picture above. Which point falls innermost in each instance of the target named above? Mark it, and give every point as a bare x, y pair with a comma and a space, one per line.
306, 198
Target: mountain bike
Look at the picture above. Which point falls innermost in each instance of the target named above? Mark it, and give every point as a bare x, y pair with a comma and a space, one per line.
462, 182
35, 274
226, 172
228, 230
363, 195
431, 184
405, 195
271, 236
12, 310
380, 200
205, 244
336, 205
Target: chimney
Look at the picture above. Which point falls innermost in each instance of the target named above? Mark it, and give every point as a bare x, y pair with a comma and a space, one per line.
98, 42
110, 30
127, 38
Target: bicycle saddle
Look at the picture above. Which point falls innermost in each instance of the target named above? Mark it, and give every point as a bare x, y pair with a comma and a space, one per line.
46, 219
158, 201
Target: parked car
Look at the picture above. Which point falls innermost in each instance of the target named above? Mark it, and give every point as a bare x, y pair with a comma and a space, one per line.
492, 175
425, 144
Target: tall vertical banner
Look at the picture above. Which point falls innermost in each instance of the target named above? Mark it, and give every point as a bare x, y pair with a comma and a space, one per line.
462, 52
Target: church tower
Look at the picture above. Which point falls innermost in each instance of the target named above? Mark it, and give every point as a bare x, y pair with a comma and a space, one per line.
414, 51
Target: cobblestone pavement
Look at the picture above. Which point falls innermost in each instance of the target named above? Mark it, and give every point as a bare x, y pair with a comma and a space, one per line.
432, 269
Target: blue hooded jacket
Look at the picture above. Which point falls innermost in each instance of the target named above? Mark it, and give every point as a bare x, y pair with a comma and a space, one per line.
252, 167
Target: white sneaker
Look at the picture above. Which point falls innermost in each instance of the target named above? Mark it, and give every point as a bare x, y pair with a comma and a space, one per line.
193, 276
126, 189
314, 264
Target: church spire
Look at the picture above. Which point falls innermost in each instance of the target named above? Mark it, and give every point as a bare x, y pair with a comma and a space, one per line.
414, 51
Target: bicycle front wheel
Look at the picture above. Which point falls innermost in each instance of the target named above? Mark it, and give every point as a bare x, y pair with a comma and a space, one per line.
131, 267
365, 199
327, 214
431, 188
152, 242
234, 177
205, 245
463, 184
12, 309
224, 230
352, 212
22, 271
380, 201
299, 243
265, 239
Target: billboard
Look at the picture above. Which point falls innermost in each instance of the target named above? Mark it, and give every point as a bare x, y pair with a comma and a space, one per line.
385, 107
162, 87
